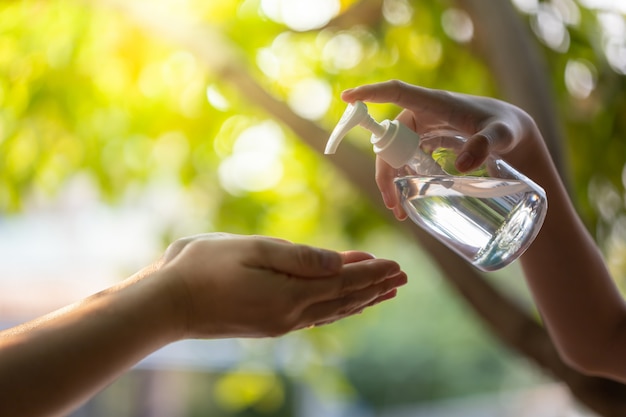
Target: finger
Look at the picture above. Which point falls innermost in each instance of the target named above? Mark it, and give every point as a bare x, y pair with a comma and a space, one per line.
473, 153
388, 296
276, 239
355, 256
385, 175
399, 213
353, 303
407, 118
352, 278
384, 297
425, 108
400, 93
495, 137
293, 259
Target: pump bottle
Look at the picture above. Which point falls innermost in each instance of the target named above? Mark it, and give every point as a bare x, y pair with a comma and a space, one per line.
489, 216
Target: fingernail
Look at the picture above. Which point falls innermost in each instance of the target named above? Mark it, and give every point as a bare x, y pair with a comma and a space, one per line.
399, 213
464, 161
398, 280
402, 281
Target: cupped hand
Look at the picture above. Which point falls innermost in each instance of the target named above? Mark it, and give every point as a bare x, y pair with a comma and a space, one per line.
255, 286
490, 126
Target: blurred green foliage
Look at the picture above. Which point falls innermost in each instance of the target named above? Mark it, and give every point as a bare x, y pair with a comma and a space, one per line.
84, 90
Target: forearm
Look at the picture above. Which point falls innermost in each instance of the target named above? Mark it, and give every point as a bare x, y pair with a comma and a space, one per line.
205, 286
55, 363
579, 302
581, 306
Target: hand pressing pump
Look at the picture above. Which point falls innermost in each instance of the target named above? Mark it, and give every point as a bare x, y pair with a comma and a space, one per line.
489, 216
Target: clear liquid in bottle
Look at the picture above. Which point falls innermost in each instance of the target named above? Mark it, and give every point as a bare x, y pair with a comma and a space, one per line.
489, 215
490, 221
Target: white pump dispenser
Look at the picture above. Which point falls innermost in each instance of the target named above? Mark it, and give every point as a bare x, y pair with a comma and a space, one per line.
489, 216
395, 143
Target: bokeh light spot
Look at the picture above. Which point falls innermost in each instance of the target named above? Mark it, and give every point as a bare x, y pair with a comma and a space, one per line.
310, 98
342, 52
216, 99
580, 78
255, 163
458, 25
300, 15
397, 12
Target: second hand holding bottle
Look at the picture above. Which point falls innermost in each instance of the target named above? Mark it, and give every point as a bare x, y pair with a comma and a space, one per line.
489, 220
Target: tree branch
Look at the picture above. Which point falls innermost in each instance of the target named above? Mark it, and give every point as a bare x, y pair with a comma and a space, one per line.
508, 48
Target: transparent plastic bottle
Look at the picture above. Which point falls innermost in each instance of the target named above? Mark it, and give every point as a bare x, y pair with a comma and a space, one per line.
489, 216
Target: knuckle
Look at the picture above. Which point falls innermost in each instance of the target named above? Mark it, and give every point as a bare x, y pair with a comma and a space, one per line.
398, 87
442, 96
396, 84
176, 247
257, 247
501, 130
480, 143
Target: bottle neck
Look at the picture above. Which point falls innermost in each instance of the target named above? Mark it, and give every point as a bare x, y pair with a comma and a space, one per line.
421, 164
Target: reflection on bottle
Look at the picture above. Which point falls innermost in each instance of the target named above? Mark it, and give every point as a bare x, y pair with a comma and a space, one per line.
489, 221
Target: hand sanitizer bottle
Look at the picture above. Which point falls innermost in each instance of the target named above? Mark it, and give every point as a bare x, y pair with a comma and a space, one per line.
489, 216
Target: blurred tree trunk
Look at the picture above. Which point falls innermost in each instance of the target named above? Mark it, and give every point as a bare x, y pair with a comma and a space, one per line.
508, 49
511, 52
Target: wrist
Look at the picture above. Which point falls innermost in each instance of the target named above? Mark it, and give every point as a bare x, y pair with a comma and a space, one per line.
153, 305
169, 301
530, 153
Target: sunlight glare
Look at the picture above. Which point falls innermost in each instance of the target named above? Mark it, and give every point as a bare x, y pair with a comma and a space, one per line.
150, 81
310, 98
458, 25
301, 15
179, 68
605, 197
549, 26
398, 12
527, 6
427, 50
580, 78
268, 62
614, 40
255, 163
568, 11
216, 99
617, 6
342, 52
171, 151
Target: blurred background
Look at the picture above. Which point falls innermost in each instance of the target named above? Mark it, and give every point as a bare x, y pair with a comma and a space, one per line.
126, 125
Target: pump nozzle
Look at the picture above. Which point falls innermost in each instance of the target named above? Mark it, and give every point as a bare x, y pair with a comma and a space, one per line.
356, 114
395, 143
